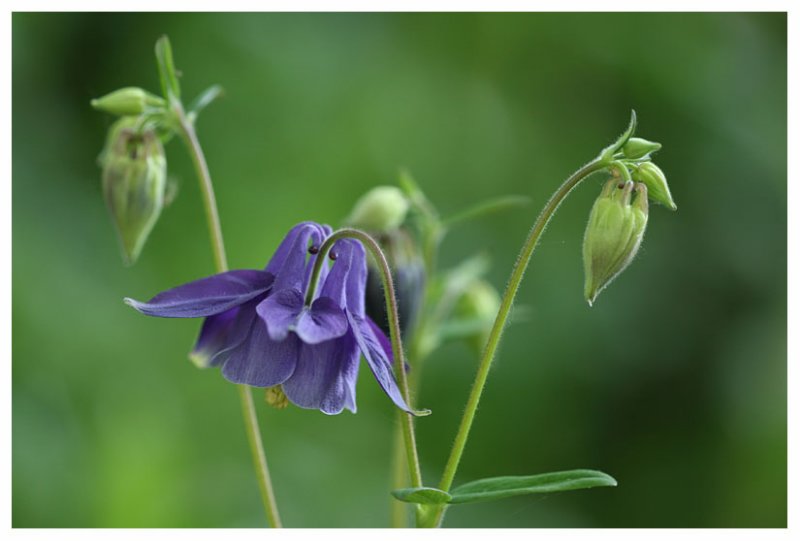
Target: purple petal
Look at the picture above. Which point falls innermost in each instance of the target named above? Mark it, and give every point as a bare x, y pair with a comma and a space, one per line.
357, 280
287, 244
377, 359
213, 337
325, 320
334, 286
284, 311
260, 361
207, 296
289, 262
383, 340
280, 311
325, 376
239, 331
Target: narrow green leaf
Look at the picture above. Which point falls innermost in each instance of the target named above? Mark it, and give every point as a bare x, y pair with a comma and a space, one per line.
423, 495
487, 207
496, 488
204, 100
166, 69
456, 329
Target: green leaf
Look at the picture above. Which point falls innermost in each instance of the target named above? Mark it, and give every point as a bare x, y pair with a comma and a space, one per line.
496, 488
423, 495
166, 69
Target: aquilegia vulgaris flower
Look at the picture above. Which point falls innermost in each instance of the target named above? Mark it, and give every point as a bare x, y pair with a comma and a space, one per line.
260, 331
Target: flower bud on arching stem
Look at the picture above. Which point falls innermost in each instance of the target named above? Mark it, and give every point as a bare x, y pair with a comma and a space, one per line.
434, 518
603, 161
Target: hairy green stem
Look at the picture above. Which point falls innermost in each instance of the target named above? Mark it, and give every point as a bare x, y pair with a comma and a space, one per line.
398, 511
206, 188
499, 326
187, 132
406, 419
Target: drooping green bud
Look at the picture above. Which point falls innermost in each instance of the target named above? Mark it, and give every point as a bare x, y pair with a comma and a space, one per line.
477, 308
613, 235
380, 210
637, 147
134, 182
655, 180
129, 101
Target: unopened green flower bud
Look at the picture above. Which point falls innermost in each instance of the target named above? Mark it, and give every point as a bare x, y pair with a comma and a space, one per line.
653, 177
134, 182
129, 101
613, 235
636, 148
380, 210
477, 307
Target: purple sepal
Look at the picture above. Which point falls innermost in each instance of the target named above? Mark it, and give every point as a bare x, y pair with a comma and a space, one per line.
325, 376
207, 296
258, 360
213, 337
376, 358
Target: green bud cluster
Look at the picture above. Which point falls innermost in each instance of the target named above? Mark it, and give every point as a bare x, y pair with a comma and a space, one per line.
614, 233
619, 216
134, 183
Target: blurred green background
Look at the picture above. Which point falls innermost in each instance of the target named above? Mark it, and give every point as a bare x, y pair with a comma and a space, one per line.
674, 383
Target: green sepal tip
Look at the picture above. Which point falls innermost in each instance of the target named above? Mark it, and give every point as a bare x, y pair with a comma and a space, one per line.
607, 155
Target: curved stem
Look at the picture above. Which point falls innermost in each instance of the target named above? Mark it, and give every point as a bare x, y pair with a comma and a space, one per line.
186, 130
406, 419
500, 322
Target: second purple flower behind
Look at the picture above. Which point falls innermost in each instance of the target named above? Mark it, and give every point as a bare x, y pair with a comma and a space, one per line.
260, 331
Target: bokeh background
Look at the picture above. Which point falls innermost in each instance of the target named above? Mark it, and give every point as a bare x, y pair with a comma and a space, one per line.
675, 382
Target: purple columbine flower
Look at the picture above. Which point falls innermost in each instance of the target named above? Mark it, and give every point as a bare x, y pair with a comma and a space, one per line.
260, 331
